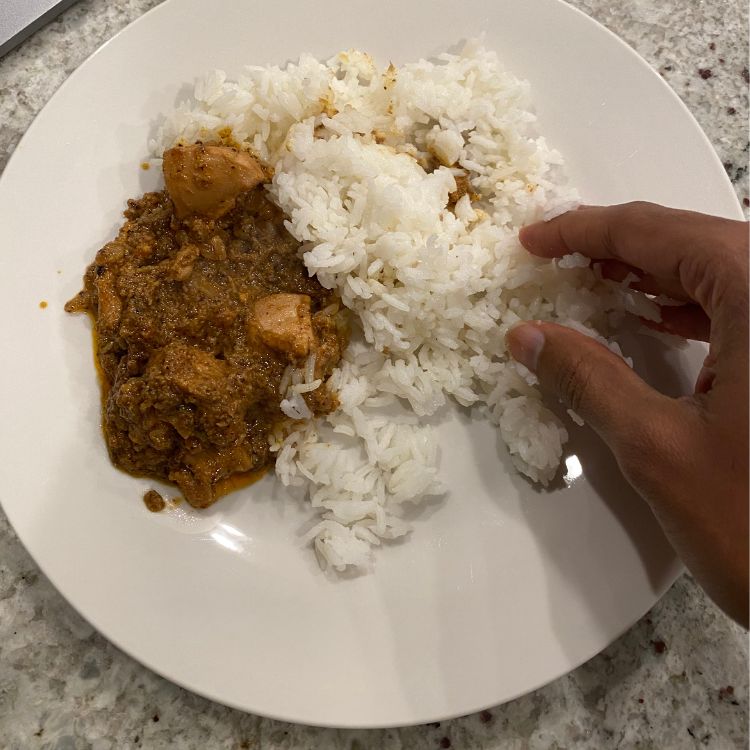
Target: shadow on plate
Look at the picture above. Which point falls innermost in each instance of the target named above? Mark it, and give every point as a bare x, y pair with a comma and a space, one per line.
587, 575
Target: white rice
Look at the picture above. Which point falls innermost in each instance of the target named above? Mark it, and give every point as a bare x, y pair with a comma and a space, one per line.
434, 290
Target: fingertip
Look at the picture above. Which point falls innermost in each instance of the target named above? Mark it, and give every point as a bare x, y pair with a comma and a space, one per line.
525, 342
529, 236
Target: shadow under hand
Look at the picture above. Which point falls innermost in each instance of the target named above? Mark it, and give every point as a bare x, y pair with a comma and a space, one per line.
605, 556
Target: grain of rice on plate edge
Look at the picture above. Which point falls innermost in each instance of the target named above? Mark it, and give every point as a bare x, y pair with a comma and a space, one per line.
407, 186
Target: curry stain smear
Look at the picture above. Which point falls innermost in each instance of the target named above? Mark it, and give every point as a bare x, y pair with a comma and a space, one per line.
101, 376
238, 481
43, 304
221, 488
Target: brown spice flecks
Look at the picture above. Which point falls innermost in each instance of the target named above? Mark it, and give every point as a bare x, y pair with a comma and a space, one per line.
659, 646
705, 73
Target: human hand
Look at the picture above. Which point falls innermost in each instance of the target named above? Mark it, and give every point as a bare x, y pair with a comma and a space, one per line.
688, 457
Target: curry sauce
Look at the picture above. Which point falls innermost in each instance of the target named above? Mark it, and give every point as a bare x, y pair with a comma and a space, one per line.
197, 316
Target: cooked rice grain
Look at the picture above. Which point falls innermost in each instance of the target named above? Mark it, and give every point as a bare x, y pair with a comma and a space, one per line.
365, 161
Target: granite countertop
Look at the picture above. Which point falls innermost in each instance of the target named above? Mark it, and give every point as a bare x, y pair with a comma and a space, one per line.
677, 679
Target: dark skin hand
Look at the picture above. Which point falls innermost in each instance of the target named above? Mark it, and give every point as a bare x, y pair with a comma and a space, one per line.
688, 457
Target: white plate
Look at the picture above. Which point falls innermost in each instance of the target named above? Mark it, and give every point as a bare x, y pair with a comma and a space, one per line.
501, 588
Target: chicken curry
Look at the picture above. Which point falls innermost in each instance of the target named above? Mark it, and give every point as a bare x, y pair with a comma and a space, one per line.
200, 304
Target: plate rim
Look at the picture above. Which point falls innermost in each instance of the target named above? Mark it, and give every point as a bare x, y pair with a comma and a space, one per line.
207, 694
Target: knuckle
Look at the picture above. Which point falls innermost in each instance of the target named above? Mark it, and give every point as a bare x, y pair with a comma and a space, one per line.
640, 207
574, 380
635, 211
627, 216
640, 458
650, 456
639, 213
645, 210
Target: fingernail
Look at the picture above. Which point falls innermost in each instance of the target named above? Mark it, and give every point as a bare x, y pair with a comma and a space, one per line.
525, 342
526, 236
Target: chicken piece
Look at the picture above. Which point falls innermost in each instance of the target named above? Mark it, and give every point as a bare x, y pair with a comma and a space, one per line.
193, 372
285, 324
206, 180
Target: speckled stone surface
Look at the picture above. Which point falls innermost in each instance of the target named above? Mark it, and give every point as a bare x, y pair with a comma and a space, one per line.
677, 679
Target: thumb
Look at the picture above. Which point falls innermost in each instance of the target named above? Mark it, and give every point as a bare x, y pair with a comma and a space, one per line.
589, 379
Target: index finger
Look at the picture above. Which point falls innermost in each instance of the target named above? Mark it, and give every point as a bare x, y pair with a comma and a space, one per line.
662, 241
